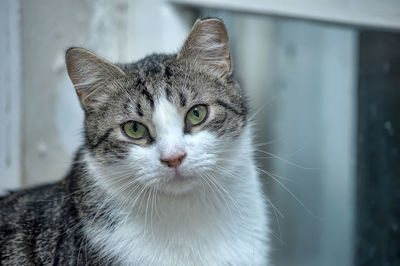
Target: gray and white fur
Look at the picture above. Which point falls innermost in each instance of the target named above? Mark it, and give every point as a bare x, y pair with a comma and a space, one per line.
121, 203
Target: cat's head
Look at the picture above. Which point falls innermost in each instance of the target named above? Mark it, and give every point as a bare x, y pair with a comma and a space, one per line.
170, 122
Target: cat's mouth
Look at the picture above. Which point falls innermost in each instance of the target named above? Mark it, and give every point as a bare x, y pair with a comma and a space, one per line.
178, 177
178, 182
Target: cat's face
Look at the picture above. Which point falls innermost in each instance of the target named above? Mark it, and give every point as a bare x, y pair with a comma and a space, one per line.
165, 122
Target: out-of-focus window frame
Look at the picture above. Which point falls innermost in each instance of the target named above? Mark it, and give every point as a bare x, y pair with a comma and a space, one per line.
360, 13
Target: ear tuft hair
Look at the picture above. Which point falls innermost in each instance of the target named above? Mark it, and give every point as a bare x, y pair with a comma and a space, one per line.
208, 42
89, 73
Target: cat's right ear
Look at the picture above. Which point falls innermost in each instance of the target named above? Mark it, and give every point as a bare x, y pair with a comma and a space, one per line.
90, 74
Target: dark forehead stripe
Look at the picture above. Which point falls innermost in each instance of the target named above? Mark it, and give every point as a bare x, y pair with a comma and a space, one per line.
126, 104
148, 96
167, 76
230, 108
139, 110
168, 94
167, 72
153, 69
182, 99
139, 83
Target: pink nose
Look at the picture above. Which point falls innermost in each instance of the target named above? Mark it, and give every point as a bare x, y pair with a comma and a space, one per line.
174, 160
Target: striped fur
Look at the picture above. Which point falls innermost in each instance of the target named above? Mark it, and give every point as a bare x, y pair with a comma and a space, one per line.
121, 205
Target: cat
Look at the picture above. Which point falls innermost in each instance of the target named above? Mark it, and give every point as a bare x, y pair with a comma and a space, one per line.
165, 176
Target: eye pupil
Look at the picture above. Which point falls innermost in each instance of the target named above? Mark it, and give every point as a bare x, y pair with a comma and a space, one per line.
135, 127
196, 112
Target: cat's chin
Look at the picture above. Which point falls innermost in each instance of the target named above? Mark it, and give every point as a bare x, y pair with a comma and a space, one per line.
180, 184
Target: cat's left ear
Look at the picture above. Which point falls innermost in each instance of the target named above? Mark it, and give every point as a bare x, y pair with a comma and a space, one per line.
208, 43
90, 74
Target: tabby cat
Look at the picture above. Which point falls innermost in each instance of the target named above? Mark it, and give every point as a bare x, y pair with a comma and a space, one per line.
165, 176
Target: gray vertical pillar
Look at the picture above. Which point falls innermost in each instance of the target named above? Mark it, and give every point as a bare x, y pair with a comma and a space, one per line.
10, 71
316, 119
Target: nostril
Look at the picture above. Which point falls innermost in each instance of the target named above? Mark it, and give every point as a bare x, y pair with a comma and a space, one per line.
173, 161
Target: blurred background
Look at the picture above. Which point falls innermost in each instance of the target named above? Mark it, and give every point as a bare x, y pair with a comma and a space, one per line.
323, 83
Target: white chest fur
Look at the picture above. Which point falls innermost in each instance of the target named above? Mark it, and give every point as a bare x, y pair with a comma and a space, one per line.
206, 227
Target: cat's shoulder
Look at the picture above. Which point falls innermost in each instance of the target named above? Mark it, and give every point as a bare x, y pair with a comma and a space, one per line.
30, 206
37, 225
28, 195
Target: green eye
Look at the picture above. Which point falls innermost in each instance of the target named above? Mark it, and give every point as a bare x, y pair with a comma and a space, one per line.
197, 114
134, 130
